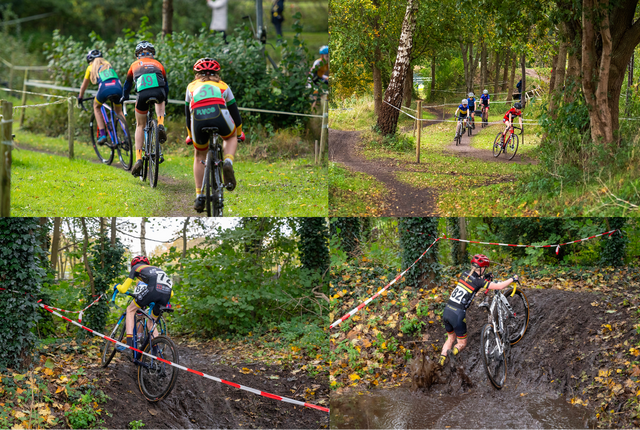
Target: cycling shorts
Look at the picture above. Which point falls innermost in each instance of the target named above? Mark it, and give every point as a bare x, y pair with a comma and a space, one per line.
215, 115
107, 89
455, 321
160, 295
142, 105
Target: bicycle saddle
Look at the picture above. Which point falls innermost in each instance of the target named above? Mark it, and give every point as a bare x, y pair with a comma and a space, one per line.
210, 129
165, 309
152, 100
115, 98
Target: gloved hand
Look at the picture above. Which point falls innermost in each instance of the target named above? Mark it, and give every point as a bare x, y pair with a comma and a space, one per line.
79, 98
488, 276
115, 288
188, 141
242, 137
124, 98
515, 278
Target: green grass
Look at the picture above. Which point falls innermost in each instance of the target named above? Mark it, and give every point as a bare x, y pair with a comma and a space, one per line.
354, 193
52, 185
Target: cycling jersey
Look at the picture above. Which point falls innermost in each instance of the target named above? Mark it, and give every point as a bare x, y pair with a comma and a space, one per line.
468, 285
513, 112
485, 99
320, 70
208, 93
108, 83
149, 275
104, 75
463, 110
472, 104
147, 73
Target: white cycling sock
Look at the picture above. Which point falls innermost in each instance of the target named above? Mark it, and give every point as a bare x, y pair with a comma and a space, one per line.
229, 160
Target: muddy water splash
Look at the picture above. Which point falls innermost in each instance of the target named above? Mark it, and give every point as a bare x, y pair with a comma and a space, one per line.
403, 408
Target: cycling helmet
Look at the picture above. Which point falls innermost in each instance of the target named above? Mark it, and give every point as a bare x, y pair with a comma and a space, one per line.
485, 92
144, 45
324, 50
93, 54
206, 65
471, 95
518, 106
139, 259
465, 102
480, 260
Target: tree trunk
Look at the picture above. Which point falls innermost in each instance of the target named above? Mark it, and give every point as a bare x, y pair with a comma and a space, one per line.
561, 65
552, 78
113, 231
167, 17
377, 85
388, 118
184, 237
523, 90
408, 87
143, 232
495, 89
506, 71
572, 77
85, 245
464, 47
433, 77
462, 223
629, 84
55, 242
483, 66
514, 63
102, 234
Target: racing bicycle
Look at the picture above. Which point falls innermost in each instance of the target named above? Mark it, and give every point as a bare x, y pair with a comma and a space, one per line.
151, 152
508, 322
156, 378
118, 136
463, 124
485, 116
509, 146
213, 183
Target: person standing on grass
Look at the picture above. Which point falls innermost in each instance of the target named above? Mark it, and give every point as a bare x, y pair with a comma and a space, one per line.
455, 311
276, 15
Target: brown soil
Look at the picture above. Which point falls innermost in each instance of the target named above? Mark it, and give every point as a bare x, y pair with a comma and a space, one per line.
197, 402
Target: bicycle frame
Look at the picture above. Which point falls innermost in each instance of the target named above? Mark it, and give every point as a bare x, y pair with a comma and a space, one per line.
504, 311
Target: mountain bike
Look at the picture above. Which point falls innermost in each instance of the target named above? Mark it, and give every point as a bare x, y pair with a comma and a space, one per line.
509, 146
156, 378
485, 116
151, 152
213, 183
508, 322
118, 136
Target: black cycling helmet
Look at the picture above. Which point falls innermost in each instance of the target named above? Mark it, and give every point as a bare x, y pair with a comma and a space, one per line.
93, 54
518, 106
145, 46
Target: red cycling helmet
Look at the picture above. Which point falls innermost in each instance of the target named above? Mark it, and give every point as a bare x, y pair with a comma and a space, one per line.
480, 260
139, 259
206, 65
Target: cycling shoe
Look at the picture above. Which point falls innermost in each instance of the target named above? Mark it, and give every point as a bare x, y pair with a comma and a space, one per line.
229, 176
200, 203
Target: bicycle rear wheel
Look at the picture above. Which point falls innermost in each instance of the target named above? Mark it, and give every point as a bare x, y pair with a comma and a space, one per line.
156, 379
469, 127
497, 145
104, 152
154, 154
209, 180
495, 363
218, 202
109, 348
511, 147
125, 147
519, 323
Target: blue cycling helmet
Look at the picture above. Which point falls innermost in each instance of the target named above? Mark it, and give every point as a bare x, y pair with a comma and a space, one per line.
324, 50
93, 54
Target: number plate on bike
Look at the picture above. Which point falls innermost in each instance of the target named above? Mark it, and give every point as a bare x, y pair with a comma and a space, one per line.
146, 81
105, 75
207, 92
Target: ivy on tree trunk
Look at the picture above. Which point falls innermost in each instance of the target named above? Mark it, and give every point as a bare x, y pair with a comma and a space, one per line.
427, 271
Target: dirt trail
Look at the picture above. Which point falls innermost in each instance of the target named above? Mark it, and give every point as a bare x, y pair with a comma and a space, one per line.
197, 402
534, 74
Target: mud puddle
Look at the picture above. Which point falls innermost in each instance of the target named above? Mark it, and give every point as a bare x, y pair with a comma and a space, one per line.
403, 408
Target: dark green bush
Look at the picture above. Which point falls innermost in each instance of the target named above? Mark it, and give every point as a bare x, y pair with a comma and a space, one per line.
428, 269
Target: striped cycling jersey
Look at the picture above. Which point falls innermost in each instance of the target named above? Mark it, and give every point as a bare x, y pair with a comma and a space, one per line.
208, 93
468, 285
147, 68
463, 109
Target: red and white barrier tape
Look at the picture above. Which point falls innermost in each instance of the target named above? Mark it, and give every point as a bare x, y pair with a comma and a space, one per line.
557, 246
366, 302
233, 384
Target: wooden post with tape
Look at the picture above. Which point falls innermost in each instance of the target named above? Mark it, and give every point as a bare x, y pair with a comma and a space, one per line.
6, 142
324, 131
24, 96
71, 128
419, 131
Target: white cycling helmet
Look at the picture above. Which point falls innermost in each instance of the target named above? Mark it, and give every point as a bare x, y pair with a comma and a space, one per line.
470, 95
465, 102
485, 92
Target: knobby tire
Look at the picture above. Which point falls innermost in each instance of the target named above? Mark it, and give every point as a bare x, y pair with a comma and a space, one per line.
517, 325
125, 145
219, 193
104, 152
109, 348
513, 140
497, 145
492, 365
154, 155
155, 378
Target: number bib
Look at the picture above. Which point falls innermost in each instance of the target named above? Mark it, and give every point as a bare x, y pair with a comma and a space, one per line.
207, 92
140, 287
459, 296
146, 81
163, 279
105, 75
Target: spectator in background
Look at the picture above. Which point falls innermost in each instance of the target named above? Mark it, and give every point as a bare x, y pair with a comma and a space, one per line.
519, 86
218, 16
276, 15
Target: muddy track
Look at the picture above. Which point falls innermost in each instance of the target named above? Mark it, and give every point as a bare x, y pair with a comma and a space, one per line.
197, 402
179, 199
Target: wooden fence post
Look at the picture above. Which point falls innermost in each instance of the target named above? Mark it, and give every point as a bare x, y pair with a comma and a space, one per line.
24, 96
6, 140
325, 128
315, 147
419, 108
71, 128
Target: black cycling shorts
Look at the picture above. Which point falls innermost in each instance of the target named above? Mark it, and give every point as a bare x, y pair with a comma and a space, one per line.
142, 105
455, 321
160, 295
210, 116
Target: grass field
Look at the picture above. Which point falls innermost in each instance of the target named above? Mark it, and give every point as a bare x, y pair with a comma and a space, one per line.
354, 193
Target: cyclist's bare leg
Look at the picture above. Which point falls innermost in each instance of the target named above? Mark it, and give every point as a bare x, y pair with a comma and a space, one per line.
156, 333
198, 167
507, 124
230, 145
141, 121
98, 112
131, 317
160, 112
118, 109
451, 338
462, 343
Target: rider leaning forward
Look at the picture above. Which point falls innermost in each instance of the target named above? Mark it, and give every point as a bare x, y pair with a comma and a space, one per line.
455, 311
515, 111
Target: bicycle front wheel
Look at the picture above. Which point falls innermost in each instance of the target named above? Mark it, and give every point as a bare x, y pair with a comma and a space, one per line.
104, 152
495, 363
109, 348
156, 379
511, 147
469, 128
519, 322
154, 154
497, 145
125, 146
